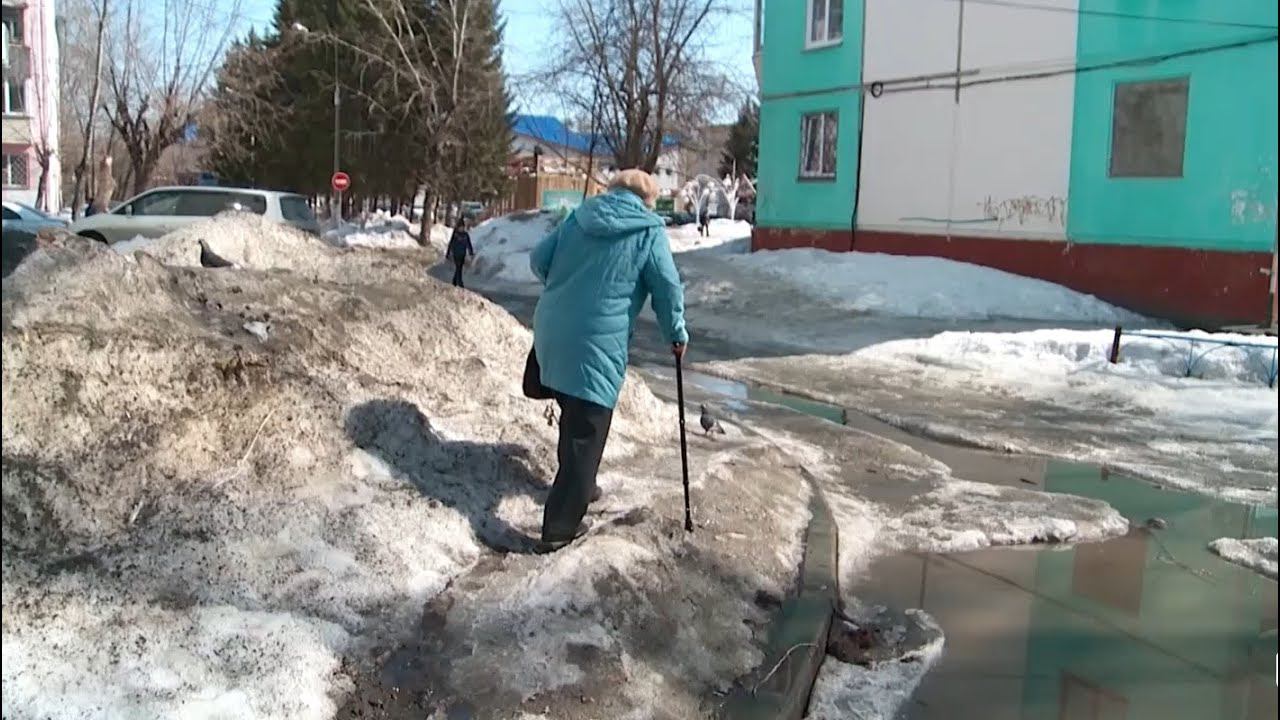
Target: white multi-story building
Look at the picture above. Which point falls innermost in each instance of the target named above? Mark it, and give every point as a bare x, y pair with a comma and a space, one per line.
30, 121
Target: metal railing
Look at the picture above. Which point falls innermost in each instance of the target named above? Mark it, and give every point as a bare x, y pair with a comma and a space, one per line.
1193, 357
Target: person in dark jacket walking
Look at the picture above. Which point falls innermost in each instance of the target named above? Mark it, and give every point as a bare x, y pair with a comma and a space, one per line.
459, 249
599, 267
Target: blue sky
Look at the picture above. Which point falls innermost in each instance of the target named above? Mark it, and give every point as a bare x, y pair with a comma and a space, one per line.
529, 25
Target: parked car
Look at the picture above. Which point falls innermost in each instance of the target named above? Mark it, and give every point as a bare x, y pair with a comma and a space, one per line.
21, 223
472, 209
163, 210
26, 218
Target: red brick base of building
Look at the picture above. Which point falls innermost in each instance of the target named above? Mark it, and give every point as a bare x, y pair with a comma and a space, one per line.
1202, 288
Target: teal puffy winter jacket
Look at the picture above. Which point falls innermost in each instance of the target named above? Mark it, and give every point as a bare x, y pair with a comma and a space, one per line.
598, 267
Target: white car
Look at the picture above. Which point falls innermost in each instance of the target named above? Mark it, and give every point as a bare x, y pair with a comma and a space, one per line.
165, 209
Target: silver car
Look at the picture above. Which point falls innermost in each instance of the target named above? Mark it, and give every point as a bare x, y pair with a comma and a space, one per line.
21, 223
165, 209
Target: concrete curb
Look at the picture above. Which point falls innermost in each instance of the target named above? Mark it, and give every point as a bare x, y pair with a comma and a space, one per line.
798, 639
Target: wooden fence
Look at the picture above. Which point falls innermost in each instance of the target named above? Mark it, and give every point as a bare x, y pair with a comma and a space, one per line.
530, 192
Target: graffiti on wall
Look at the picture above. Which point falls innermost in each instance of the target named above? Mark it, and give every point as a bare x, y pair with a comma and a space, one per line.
1248, 208
1024, 209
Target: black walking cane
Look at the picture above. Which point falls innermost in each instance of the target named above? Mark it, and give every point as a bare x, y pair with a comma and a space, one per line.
684, 445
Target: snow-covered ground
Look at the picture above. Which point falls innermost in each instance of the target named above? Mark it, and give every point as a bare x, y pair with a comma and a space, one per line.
1054, 392
926, 287
964, 353
1258, 554
203, 519
383, 230
726, 237
503, 245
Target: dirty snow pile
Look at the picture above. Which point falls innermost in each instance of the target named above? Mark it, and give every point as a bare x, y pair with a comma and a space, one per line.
1258, 554
503, 245
1054, 392
384, 230
879, 690
228, 492
926, 287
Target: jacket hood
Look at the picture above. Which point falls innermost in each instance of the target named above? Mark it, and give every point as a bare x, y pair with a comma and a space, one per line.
615, 213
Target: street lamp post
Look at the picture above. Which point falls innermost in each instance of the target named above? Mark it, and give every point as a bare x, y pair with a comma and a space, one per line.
337, 128
336, 197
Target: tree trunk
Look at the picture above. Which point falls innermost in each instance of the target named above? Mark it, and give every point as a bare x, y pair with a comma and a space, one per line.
424, 222
42, 157
86, 152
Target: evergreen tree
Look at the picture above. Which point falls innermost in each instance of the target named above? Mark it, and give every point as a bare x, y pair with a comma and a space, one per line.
424, 101
743, 144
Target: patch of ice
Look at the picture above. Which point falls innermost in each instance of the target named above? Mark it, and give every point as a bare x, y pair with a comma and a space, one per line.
960, 515
258, 329
1259, 554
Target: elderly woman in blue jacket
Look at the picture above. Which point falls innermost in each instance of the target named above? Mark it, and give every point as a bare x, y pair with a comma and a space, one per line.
598, 268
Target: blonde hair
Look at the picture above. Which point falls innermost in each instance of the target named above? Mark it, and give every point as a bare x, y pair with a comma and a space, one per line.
638, 182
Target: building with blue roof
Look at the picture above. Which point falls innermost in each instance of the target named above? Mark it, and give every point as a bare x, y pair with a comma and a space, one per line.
564, 151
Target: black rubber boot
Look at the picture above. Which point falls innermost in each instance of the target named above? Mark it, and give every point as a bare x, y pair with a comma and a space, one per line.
550, 546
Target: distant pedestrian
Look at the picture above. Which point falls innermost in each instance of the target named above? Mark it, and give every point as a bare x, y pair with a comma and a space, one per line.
459, 249
704, 221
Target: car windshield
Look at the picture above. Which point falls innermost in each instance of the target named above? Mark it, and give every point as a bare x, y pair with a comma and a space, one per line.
294, 208
28, 210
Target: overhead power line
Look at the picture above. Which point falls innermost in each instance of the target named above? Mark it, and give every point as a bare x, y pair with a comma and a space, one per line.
1153, 59
1022, 5
1035, 70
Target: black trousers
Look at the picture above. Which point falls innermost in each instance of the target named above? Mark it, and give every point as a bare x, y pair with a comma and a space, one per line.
584, 429
457, 271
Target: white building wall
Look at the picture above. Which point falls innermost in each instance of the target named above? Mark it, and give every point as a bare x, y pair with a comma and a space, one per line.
995, 163
40, 121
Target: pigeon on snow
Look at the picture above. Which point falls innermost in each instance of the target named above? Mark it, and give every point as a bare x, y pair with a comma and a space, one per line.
709, 424
210, 259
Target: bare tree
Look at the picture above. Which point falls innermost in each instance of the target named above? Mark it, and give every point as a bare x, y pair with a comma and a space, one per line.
425, 71
640, 67
158, 75
79, 112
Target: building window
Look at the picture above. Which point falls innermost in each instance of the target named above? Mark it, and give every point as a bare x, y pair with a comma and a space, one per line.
1149, 129
15, 170
825, 23
818, 145
13, 34
15, 97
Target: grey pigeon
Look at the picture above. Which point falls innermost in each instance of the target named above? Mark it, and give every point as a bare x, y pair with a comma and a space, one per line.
709, 424
210, 259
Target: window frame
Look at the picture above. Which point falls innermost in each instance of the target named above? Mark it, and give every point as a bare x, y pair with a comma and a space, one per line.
809, 42
6, 171
202, 200
1183, 79
804, 175
131, 208
8, 108
294, 201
